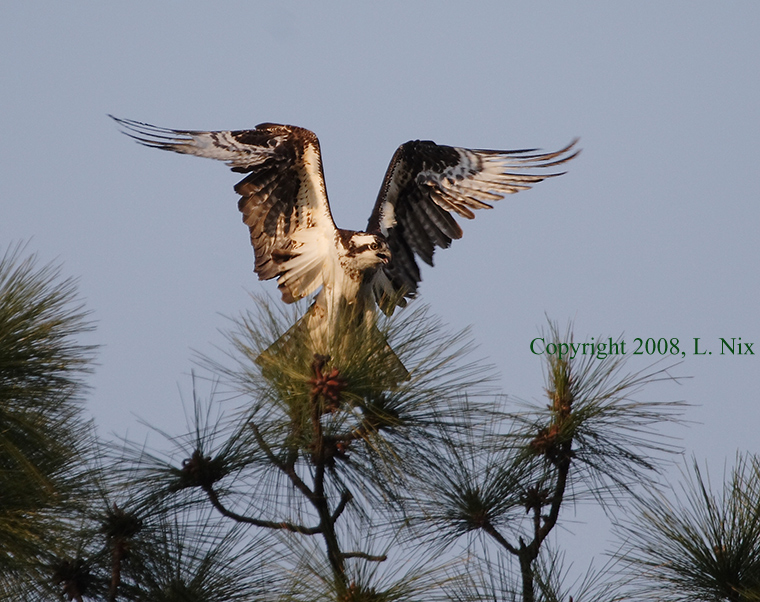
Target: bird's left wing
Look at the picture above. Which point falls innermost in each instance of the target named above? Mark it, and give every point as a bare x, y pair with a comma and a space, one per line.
426, 184
284, 201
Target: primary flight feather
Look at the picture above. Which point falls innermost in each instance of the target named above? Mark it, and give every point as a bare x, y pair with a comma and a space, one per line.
284, 203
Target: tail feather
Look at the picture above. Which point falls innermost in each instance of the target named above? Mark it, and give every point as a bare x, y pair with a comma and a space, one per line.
312, 331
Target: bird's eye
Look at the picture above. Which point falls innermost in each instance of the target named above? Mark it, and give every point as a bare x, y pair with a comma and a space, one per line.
374, 246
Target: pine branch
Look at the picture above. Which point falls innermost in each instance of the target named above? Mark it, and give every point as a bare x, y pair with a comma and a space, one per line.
288, 469
344, 500
365, 556
216, 503
500, 539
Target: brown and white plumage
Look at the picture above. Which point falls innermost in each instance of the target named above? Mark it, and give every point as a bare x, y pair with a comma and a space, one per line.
284, 204
427, 184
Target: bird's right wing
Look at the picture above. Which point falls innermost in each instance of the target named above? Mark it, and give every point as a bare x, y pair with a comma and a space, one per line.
283, 197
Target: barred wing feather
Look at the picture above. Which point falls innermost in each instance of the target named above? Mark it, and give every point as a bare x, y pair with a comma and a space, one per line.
427, 184
283, 197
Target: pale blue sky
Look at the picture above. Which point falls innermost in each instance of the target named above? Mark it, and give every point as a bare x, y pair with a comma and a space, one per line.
652, 233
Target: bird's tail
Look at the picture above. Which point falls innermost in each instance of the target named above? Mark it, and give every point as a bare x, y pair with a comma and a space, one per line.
351, 339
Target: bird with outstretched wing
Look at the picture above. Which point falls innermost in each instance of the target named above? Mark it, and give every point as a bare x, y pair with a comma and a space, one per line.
284, 203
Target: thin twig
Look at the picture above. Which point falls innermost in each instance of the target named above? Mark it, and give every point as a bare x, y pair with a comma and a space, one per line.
365, 556
216, 503
288, 469
344, 500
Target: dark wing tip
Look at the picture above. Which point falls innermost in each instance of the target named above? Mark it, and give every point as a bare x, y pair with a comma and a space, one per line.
151, 135
571, 147
562, 153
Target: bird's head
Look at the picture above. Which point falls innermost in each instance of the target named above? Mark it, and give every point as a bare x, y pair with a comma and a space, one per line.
368, 250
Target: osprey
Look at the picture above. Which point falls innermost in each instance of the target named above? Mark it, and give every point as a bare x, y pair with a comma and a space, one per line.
284, 204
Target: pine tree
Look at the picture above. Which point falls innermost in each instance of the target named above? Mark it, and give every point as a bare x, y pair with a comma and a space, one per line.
44, 439
377, 465
694, 543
